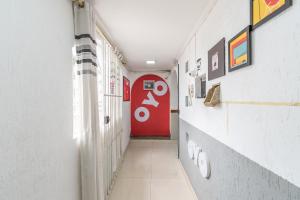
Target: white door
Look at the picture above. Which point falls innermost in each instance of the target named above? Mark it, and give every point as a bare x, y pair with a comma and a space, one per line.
110, 108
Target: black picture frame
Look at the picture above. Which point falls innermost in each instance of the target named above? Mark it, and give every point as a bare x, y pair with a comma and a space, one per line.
217, 52
287, 4
249, 49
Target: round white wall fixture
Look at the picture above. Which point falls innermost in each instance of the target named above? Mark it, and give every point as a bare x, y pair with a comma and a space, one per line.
204, 165
191, 149
196, 154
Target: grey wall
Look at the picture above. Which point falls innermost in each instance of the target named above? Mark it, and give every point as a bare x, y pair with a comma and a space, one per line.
233, 177
38, 156
174, 126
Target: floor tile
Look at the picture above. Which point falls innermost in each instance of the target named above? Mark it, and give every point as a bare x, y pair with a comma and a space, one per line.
134, 168
131, 189
166, 169
170, 190
140, 143
151, 171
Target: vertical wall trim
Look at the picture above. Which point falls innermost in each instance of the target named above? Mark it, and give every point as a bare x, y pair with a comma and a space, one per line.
178, 104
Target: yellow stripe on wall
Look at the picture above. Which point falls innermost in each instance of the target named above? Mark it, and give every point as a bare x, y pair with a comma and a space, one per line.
289, 104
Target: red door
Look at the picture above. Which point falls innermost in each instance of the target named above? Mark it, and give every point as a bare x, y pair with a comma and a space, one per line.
150, 107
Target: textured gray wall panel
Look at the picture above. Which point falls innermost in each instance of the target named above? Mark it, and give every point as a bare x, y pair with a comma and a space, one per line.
233, 177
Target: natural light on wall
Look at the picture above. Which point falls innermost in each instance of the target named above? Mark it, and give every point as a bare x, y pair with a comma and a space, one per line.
76, 105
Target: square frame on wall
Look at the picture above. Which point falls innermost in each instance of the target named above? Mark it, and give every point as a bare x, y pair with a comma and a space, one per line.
148, 85
187, 67
126, 89
240, 50
262, 11
216, 60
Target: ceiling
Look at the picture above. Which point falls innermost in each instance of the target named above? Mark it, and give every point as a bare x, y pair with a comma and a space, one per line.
150, 29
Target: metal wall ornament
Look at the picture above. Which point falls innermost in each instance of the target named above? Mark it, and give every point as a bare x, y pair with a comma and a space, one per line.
195, 72
240, 50
199, 63
264, 10
216, 60
213, 96
191, 93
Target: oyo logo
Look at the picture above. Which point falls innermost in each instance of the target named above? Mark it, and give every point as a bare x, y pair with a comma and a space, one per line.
142, 114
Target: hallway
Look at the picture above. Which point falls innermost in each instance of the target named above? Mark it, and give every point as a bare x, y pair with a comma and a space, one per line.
151, 171
150, 100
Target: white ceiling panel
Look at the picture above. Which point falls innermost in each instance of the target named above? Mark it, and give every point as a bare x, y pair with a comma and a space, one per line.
150, 29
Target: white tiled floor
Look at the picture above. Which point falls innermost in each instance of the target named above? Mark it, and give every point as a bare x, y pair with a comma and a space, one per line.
151, 171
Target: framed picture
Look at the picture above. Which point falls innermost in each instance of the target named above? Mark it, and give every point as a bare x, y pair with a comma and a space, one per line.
191, 91
200, 86
264, 10
149, 84
216, 60
199, 63
186, 101
126, 89
187, 67
239, 50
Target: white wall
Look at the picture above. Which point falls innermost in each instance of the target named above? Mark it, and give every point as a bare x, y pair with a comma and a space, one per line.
173, 82
38, 157
126, 115
268, 135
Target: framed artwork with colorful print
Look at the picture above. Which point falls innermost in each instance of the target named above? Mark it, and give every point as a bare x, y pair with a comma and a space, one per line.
239, 50
264, 10
126, 89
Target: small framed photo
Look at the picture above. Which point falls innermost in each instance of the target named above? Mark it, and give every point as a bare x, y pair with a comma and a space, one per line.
187, 68
239, 50
149, 84
200, 86
216, 60
264, 10
186, 101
